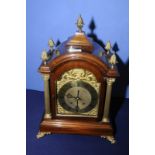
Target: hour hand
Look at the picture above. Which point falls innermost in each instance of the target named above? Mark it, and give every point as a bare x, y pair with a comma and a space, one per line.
70, 96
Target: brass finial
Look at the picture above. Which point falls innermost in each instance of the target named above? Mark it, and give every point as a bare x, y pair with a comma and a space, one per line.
57, 52
80, 23
44, 56
51, 44
113, 60
100, 54
108, 47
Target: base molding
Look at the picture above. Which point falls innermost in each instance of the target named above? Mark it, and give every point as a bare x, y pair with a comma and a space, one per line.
76, 127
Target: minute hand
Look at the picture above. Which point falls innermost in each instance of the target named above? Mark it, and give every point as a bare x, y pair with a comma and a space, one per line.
77, 101
78, 94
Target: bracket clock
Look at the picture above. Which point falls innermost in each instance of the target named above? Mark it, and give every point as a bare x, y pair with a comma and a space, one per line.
78, 76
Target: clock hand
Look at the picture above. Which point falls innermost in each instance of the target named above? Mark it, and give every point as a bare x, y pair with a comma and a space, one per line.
78, 98
77, 101
78, 94
70, 96
77, 106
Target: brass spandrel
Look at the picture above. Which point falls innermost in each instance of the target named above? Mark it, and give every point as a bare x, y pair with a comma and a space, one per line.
78, 74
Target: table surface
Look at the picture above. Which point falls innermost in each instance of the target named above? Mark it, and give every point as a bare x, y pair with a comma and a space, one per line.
59, 144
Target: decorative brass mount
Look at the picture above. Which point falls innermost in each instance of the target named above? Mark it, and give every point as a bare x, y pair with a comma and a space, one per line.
42, 134
111, 139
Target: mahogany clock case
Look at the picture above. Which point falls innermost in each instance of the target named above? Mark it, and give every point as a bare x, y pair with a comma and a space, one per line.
78, 53
79, 125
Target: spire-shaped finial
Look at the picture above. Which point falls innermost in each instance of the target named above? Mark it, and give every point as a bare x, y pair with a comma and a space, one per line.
44, 56
108, 47
80, 23
51, 44
113, 60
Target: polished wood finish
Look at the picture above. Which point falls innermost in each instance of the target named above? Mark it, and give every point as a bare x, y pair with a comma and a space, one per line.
77, 125
80, 41
85, 57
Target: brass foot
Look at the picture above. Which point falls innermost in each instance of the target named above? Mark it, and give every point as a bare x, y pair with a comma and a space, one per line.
42, 134
110, 138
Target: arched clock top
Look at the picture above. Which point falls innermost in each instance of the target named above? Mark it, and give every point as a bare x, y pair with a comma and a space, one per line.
83, 60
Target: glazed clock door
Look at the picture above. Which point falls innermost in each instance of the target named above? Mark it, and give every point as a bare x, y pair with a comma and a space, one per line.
77, 94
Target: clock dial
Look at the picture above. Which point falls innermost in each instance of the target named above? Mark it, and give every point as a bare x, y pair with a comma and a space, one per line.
77, 96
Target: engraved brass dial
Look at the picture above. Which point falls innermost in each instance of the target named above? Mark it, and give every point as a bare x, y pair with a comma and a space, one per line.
77, 96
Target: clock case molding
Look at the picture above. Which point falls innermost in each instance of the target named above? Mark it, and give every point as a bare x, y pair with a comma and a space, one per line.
105, 73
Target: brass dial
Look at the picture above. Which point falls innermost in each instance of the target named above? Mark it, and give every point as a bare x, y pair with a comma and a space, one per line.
77, 96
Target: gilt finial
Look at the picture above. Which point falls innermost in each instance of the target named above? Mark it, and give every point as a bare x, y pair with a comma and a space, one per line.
51, 44
44, 57
113, 60
57, 52
108, 47
80, 23
100, 54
